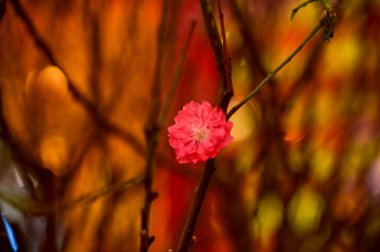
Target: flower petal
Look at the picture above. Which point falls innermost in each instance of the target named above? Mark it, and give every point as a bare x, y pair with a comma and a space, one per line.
199, 117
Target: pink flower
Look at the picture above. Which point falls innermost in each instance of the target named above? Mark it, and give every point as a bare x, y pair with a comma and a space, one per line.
199, 133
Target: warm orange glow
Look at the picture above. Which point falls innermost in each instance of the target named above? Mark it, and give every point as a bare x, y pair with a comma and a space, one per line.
78, 111
294, 136
54, 154
52, 83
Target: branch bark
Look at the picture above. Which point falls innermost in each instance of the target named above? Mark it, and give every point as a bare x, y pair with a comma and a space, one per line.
225, 94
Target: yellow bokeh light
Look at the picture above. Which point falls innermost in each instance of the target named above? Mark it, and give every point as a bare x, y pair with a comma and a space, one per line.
305, 211
269, 216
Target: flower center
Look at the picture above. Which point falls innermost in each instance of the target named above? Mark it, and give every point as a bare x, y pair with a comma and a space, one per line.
199, 133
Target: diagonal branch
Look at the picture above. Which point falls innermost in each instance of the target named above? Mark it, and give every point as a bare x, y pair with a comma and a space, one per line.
99, 119
270, 75
300, 6
34, 207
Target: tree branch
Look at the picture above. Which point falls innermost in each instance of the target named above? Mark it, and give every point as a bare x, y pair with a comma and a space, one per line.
152, 129
226, 91
257, 90
196, 205
225, 94
99, 119
34, 207
300, 6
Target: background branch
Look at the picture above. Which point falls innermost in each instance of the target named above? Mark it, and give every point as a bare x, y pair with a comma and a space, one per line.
152, 129
100, 120
278, 68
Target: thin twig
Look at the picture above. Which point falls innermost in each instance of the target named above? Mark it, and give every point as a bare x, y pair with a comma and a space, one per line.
2, 9
91, 197
222, 29
152, 129
38, 208
99, 119
226, 59
209, 169
177, 74
152, 124
278, 68
250, 49
225, 95
300, 6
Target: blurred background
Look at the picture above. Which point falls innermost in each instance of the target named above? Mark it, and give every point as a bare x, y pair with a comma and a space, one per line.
303, 171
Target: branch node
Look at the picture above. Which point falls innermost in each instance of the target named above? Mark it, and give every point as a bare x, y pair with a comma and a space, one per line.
329, 20
150, 129
144, 233
151, 240
192, 241
153, 196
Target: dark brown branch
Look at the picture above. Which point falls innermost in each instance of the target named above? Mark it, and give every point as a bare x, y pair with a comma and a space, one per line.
225, 95
226, 91
2, 9
152, 129
99, 119
196, 205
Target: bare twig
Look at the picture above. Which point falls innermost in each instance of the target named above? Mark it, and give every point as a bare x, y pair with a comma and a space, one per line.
196, 205
209, 169
99, 119
250, 45
177, 75
278, 68
222, 29
155, 123
93, 196
225, 95
152, 129
228, 91
2, 8
40, 208
300, 6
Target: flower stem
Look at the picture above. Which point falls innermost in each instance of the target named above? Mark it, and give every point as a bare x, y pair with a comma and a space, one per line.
278, 68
